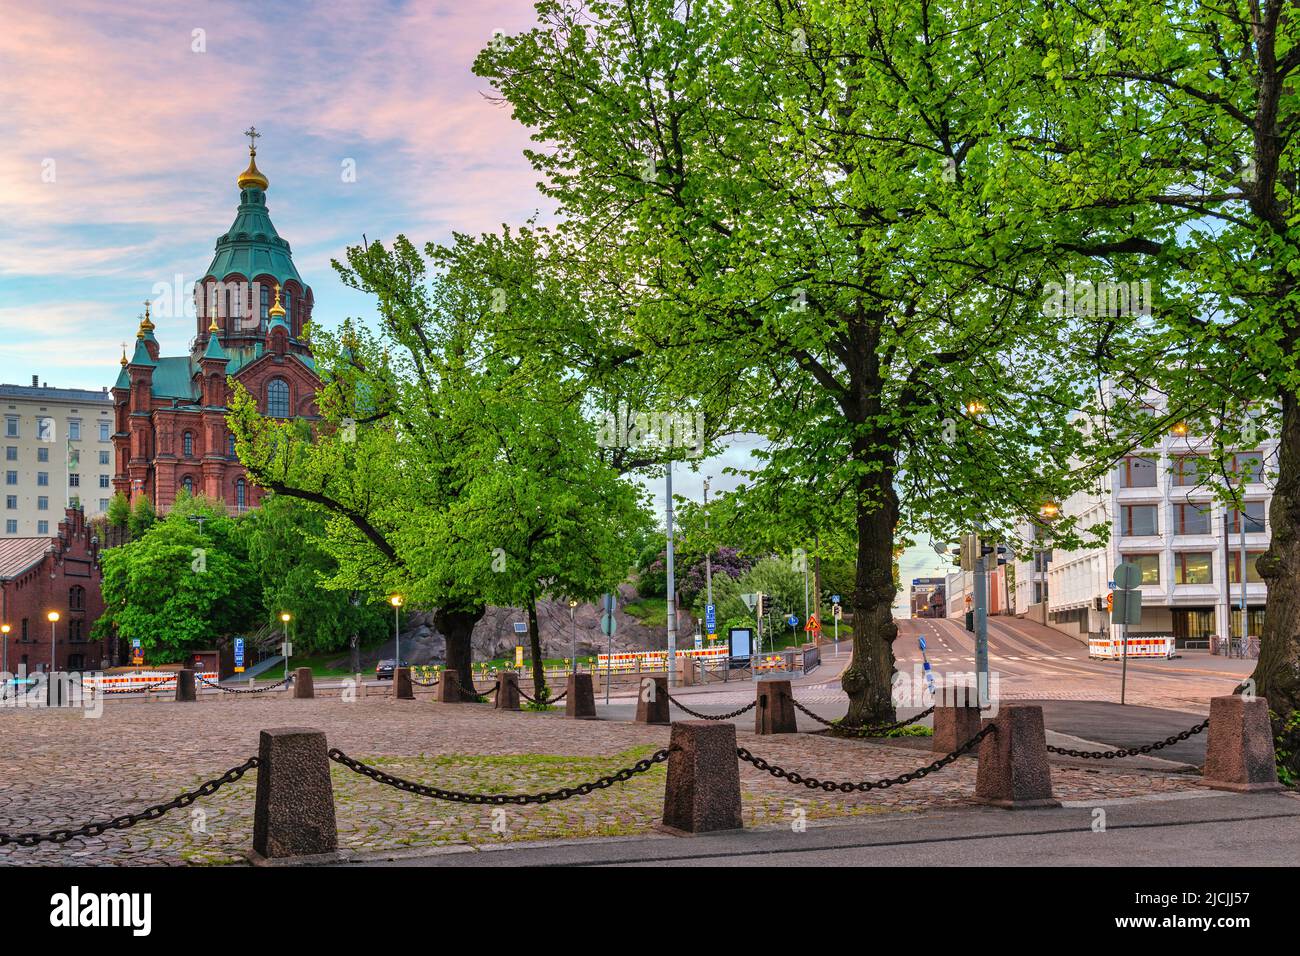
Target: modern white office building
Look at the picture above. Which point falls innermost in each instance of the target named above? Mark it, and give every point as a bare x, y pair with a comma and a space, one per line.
1162, 518
58, 450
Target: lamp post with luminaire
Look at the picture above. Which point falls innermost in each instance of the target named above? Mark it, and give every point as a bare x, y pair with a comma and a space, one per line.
4, 630
53, 618
396, 602
285, 618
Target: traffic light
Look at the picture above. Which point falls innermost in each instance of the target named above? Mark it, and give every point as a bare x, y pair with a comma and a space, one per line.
1004, 554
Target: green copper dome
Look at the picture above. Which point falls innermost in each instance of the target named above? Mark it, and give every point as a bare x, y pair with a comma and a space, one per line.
214, 350
251, 247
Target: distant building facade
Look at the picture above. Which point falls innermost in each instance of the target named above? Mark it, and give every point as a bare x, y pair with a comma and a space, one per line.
928, 597
57, 573
58, 451
170, 433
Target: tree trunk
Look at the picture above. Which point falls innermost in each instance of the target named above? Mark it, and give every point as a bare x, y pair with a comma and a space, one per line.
869, 676
1277, 674
535, 643
456, 625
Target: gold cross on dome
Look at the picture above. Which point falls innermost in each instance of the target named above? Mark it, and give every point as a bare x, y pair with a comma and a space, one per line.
253, 135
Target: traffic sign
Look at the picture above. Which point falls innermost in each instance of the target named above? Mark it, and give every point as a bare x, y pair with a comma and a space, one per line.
519, 655
813, 625
239, 655
608, 625
838, 611
1128, 608
710, 618
750, 600
1127, 576
835, 599
922, 643
792, 620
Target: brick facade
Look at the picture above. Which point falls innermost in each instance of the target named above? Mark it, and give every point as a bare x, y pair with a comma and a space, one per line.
59, 573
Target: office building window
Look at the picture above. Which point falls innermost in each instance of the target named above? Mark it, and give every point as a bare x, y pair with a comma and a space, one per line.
11, 453
11, 477
42, 527
11, 426
1252, 573
103, 458
43, 479
1185, 470
1148, 564
11, 501
1137, 472
42, 454
11, 526
74, 480
103, 430
1256, 620
1254, 518
1194, 568
103, 504
42, 503
1249, 466
1137, 520
277, 398
74, 429
1191, 519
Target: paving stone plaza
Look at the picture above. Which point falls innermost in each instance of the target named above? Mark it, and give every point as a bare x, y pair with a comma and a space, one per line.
66, 769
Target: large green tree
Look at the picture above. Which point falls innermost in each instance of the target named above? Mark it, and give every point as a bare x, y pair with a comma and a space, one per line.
801, 208
181, 585
1167, 130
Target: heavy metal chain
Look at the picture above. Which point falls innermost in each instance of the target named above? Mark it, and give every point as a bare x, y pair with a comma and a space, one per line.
862, 731
422, 683
1144, 749
128, 820
830, 786
247, 690
564, 793
695, 713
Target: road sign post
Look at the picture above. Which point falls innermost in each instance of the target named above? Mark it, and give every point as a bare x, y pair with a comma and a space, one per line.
1126, 608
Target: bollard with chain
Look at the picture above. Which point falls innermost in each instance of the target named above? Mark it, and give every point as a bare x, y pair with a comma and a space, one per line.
652, 701
303, 686
1013, 770
580, 697
402, 688
774, 713
294, 814
702, 794
185, 690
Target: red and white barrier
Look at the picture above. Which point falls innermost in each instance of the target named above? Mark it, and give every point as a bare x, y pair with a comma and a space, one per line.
1112, 649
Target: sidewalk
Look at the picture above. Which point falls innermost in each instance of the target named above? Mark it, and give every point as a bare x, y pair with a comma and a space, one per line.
1203, 828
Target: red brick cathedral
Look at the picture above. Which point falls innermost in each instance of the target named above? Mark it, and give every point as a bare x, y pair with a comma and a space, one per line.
251, 305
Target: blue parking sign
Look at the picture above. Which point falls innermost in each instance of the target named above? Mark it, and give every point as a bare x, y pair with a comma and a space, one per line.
239, 652
710, 619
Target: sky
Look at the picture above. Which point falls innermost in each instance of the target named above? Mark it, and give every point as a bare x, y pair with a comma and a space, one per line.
121, 135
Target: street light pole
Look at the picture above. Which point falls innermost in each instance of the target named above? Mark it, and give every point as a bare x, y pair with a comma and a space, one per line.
573, 625
671, 602
396, 602
284, 620
708, 555
51, 699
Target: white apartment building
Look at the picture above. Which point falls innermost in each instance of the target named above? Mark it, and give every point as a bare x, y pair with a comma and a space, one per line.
58, 449
1162, 518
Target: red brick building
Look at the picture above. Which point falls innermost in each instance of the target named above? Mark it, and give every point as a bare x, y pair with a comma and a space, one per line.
251, 305
60, 574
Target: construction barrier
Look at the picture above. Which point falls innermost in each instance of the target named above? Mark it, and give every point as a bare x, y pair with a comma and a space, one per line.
1109, 649
139, 681
656, 660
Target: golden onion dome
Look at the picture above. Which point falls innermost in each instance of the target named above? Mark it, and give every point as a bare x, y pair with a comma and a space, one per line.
276, 311
252, 176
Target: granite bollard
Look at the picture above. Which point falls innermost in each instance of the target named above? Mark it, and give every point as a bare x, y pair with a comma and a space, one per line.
303, 687
185, 689
579, 697
775, 711
507, 691
448, 689
1013, 770
702, 793
294, 812
953, 726
652, 701
403, 689
1239, 747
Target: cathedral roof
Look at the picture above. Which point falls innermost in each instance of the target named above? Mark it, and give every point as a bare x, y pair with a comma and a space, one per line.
251, 247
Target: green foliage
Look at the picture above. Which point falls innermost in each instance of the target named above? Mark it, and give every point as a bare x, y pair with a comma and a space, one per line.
178, 589
284, 538
142, 517
119, 511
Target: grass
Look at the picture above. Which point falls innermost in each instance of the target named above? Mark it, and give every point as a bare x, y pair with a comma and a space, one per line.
650, 611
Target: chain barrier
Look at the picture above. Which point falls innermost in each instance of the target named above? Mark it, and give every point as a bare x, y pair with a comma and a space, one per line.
148, 688
424, 683
456, 796
246, 690
1133, 752
830, 786
862, 731
128, 820
695, 713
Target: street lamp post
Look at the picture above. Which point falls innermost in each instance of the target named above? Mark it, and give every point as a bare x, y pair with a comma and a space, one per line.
396, 602
53, 618
285, 617
573, 625
5, 629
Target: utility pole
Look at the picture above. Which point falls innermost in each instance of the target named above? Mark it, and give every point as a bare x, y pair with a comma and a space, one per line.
708, 560
1241, 527
670, 602
981, 622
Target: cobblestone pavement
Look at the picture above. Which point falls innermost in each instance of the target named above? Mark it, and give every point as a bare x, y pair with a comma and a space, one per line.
60, 768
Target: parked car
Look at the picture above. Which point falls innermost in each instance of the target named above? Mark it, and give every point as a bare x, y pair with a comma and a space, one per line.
384, 669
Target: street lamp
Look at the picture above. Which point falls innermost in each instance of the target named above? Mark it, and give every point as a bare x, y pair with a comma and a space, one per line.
573, 624
5, 629
53, 618
396, 602
285, 617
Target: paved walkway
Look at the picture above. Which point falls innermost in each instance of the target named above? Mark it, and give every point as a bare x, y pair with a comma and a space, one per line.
61, 769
